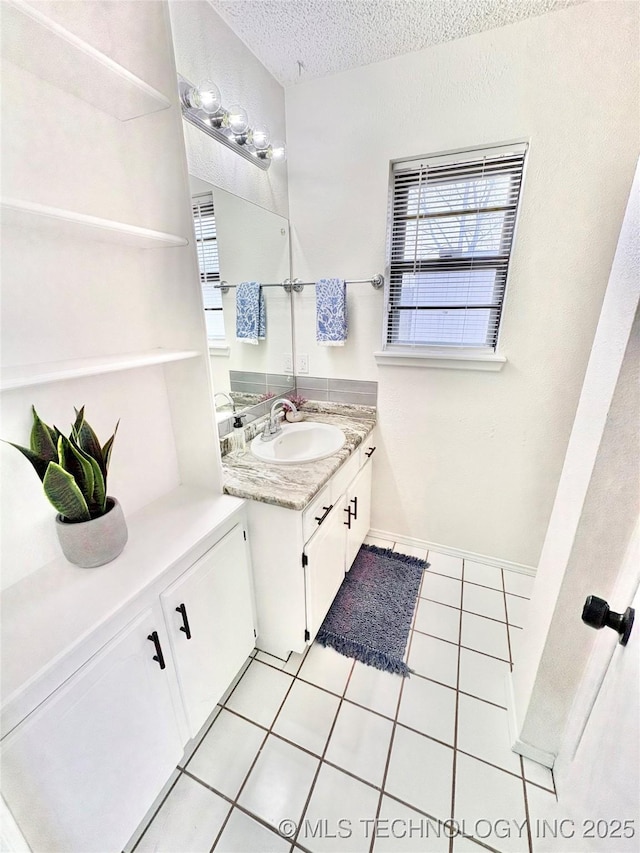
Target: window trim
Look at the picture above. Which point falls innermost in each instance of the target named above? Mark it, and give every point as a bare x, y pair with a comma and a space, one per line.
432, 355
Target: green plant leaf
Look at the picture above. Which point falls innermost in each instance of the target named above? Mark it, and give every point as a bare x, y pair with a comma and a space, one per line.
78, 465
99, 499
107, 448
39, 462
87, 439
63, 493
43, 440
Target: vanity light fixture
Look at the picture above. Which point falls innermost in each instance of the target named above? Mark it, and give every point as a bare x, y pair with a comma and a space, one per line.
202, 107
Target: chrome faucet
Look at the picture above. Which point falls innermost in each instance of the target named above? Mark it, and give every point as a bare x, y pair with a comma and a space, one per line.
230, 399
272, 427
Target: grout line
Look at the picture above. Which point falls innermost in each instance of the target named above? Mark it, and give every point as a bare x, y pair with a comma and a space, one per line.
395, 719
488, 763
541, 787
233, 804
504, 596
524, 783
153, 817
526, 807
257, 756
181, 769
455, 724
322, 758
473, 612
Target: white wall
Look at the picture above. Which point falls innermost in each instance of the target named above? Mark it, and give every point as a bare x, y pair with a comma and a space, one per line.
472, 460
206, 48
73, 298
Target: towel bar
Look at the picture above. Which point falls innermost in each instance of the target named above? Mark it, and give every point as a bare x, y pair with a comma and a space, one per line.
295, 284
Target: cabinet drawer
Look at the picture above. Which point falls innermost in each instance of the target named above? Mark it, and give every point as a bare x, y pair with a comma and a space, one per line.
345, 475
316, 510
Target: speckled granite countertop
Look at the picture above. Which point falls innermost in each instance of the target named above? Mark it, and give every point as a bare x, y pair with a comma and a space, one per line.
293, 486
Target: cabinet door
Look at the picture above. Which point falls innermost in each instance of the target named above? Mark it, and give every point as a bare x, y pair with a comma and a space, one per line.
324, 569
359, 500
80, 772
209, 616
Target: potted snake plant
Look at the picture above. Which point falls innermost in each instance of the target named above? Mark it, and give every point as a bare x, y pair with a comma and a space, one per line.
90, 524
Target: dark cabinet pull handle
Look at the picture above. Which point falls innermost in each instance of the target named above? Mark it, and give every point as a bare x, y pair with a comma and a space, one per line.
354, 501
158, 655
370, 452
349, 514
321, 518
185, 621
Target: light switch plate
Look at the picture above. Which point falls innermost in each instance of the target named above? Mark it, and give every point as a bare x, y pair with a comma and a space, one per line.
287, 361
303, 363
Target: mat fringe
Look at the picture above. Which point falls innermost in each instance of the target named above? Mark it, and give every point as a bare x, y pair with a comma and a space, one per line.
363, 653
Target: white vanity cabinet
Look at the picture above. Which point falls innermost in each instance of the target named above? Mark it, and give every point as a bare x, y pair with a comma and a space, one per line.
300, 558
104, 686
358, 500
323, 563
78, 772
209, 619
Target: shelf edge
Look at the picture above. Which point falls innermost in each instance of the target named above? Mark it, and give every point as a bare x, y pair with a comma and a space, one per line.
147, 359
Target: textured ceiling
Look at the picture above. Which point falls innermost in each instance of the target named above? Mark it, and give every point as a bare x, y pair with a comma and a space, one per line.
334, 35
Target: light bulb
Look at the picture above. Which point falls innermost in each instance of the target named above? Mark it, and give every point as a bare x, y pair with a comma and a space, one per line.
206, 97
278, 151
261, 138
237, 119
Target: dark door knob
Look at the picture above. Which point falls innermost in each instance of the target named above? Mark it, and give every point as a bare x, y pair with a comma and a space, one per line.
596, 614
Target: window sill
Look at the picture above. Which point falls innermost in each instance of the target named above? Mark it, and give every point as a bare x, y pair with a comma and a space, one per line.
219, 348
461, 360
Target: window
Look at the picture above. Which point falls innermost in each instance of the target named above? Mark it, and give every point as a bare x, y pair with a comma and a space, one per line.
453, 219
204, 222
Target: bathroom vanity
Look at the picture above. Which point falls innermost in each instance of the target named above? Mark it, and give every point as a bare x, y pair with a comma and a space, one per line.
306, 524
108, 672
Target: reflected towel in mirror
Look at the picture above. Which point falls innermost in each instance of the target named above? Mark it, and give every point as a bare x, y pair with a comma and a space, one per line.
251, 315
331, 312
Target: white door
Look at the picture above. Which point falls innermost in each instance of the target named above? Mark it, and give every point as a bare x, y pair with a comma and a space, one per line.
359, 502
209, 616
598, 768
324, 569
81, 771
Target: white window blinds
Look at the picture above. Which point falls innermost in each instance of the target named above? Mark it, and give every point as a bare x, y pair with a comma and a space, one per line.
453, 219
204, 222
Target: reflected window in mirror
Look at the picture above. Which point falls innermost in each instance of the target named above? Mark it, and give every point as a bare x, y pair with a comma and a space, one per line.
204, 222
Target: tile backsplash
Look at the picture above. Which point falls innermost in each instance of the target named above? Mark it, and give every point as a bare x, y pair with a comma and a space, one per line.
246, 382
337, 390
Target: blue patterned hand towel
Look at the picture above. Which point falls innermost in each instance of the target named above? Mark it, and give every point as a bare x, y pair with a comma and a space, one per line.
251, 315
331, 312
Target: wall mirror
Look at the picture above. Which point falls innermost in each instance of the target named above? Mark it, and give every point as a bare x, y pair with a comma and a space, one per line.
240, 241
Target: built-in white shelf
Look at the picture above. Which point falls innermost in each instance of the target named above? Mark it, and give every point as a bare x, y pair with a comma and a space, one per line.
26, 375
68, 223
42, 46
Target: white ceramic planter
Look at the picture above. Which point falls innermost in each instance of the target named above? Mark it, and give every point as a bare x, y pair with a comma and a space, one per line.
93, 543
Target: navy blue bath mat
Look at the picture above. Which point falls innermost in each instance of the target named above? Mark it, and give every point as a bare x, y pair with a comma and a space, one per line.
370, 617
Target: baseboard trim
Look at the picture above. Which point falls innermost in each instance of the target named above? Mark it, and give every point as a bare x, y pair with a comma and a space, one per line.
521, 747
454, 552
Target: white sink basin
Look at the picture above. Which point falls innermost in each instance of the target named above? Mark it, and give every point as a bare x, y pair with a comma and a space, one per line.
298, 443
